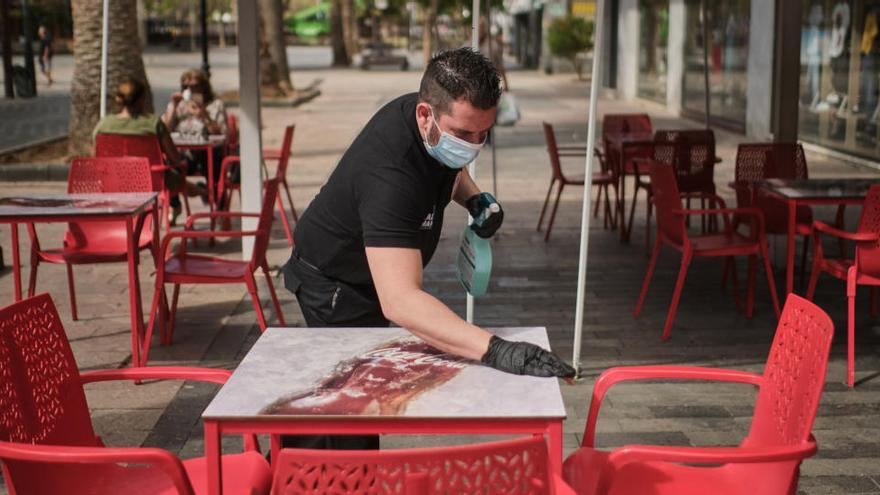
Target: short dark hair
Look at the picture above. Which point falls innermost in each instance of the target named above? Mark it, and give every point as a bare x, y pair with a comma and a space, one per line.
460, 73
130, 94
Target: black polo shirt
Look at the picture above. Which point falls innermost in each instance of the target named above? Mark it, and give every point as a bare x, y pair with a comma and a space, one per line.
386, 191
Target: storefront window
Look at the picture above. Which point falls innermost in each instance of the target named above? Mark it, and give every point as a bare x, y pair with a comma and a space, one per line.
728, 34
653, 43
840, 72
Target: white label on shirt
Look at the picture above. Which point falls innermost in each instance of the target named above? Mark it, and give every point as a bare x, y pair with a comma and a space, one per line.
428, 222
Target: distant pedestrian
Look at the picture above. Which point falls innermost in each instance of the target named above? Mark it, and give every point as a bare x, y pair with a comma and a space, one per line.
46, 52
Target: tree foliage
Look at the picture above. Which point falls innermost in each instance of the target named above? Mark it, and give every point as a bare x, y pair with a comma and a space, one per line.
568, 37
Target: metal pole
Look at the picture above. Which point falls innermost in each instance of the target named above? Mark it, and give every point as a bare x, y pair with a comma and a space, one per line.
249, 115
7, 50
472, 168
105, 37
706, 42
28, 46
204, 20
588, 190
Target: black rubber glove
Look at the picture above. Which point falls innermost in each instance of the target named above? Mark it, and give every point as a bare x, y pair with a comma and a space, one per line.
523, 358
486, 221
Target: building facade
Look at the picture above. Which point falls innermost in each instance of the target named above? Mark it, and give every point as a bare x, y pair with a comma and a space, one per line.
655, 51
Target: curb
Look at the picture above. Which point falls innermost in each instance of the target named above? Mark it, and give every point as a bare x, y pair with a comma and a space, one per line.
32, 143
27, 172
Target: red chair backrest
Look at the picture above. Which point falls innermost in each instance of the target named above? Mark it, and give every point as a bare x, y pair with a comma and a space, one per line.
759, 161
43, 406
553, 151
108, 145
512, 466
264, 226
106, 175
666, 198
692, 155
793, 376
624, 123
868, 254
286, 143
41, 397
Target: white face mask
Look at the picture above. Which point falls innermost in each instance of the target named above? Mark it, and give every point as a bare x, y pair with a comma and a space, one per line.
451, 151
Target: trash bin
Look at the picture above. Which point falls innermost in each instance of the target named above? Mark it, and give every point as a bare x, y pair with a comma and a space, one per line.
23, 82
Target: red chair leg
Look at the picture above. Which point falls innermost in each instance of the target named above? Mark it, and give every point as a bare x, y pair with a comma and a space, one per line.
612, 207
803, 273
648, 276
750, 286
32, 280
156, 313
289, 199
255, 297
546, 202
272, 293
287, 231
598, 200
72, 291
553, 212
851, 328
771, 283
648, 211
676, 296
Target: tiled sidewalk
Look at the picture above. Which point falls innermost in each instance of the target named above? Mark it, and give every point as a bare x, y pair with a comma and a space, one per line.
533, 284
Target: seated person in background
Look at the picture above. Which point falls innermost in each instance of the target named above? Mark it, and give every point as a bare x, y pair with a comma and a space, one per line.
132, 120
195, 111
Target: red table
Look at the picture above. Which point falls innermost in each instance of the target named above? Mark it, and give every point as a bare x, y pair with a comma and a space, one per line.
796, 192
621, 147
376, 381
184, 143
129, 208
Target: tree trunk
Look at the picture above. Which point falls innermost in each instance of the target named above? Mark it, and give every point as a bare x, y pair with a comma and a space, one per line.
428, 30
124, 59
349, 27
273, 52
341, 56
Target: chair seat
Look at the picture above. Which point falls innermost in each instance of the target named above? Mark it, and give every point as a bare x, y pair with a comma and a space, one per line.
581, 470
206, 268
243, 474
724, 245
838, 268
109, 249
601, 178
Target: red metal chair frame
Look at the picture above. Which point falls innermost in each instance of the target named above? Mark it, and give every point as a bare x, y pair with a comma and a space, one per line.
282, 156
617, 124
518, 466
47, 442
185, 268
862, 269
87, 243
672, 231
603, 180
116, 145
766, 462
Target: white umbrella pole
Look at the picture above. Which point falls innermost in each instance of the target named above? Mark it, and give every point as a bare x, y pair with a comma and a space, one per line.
105, 36
472, 168
588, 189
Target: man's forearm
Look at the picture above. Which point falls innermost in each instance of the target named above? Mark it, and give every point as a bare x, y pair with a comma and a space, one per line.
429, 319
465, 188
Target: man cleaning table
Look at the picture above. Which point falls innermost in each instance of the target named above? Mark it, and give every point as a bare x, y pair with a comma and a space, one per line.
361, 245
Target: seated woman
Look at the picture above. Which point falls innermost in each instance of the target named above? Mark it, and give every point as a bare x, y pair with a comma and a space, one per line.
196, 111
132, 120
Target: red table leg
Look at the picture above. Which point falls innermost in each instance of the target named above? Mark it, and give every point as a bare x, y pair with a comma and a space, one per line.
212, 457
16, 266
134, 293
554, 443
789, 248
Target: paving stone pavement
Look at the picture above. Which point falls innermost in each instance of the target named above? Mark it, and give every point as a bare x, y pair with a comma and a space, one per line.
533, 284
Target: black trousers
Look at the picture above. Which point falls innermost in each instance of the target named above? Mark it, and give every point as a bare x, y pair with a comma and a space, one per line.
326, 302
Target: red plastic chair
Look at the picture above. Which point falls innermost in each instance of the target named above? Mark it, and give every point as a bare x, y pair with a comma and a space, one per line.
766, 462
186, 268
692, 154
672, 231
47, 442
232, 138
114, 145
87, 243
507, 467
759, 161
603, 180
861, 269
282, 156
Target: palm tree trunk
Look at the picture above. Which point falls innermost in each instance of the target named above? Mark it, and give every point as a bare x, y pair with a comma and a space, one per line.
337, 34
275, 48
428, 30
123, 59
349, 27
